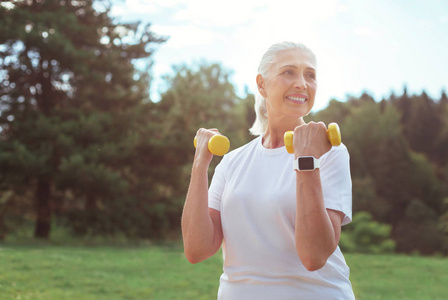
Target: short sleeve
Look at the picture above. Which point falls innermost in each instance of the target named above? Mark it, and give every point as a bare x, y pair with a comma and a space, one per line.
336, 181
217, 185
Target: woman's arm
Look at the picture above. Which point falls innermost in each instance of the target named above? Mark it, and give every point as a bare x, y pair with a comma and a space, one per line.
317, 229
201, 225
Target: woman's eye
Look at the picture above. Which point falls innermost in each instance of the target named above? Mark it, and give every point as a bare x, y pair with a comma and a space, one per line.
311, 75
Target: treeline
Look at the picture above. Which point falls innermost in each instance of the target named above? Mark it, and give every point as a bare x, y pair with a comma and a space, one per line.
83, 147
399, 165
76, 147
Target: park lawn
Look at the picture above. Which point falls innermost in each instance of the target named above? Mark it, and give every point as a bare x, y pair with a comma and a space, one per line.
388, 277
161, 272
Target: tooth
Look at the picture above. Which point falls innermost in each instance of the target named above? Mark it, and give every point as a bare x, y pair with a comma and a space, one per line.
297, 98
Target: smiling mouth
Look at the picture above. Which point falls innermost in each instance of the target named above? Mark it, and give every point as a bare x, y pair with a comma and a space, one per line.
298, 100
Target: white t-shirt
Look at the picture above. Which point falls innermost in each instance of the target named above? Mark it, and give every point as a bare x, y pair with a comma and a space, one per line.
254, 188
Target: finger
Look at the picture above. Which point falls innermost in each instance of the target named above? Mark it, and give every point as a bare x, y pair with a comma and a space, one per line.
200, 130
322, 126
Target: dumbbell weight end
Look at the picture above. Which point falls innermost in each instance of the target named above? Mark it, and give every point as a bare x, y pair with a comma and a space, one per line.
217, 145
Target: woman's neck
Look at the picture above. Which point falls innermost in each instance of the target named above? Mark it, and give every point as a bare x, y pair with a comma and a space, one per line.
273, 138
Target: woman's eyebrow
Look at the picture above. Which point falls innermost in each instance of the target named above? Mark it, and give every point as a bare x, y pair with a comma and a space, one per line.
295, 67
289, 66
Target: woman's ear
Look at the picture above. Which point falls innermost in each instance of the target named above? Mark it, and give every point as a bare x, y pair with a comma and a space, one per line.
261, 85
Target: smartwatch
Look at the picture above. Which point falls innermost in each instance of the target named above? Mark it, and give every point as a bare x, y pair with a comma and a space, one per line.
306, 163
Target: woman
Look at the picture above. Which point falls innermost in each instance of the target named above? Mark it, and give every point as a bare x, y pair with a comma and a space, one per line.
279, 226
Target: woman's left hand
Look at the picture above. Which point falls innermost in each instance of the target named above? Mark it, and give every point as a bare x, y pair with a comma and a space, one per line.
311, 140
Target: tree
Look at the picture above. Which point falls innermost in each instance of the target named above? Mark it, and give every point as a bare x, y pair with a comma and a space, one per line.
423, 125
443, 103
335, 112
393, 183
364, 235
441, 143
71, 104
200, 96
419, 230
422, 121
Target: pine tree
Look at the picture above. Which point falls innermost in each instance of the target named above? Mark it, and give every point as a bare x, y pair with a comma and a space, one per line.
72, 104
443, 102
441, 144
423, 125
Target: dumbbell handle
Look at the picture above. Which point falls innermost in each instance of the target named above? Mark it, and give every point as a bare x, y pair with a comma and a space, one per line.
333, 134
217, 144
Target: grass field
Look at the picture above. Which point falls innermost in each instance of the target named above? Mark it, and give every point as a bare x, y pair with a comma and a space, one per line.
43, 271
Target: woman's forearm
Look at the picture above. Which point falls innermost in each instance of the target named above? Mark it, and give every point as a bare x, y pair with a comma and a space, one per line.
197, 225
315, 235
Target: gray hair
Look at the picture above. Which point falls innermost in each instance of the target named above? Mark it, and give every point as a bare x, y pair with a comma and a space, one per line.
261, 121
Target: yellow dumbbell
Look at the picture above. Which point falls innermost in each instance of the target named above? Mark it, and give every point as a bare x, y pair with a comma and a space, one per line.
217, 145
333, 134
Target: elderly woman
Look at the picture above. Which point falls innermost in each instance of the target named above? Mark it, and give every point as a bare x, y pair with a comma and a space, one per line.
279, 226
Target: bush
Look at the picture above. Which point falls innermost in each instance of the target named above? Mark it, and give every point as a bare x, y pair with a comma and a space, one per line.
364, 235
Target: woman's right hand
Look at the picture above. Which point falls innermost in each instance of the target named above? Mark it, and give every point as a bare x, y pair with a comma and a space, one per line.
201, 226
202, 154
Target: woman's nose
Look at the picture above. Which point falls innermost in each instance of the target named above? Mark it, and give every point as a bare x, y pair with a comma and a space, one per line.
300, 83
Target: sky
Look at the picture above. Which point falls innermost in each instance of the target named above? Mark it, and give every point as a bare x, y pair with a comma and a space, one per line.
376, 47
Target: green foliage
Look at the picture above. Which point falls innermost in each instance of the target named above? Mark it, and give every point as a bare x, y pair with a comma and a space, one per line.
422, 123
425, 235
74, 111
198, 97
82, 144
365, 198
364, 235
398, 174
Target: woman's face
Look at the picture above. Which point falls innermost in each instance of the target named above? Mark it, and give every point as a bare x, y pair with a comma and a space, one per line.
290, 87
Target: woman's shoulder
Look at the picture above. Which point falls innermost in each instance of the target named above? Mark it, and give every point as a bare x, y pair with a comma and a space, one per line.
336, 153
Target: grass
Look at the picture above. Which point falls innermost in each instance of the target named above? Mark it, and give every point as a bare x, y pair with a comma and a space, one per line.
45, 271
388, 277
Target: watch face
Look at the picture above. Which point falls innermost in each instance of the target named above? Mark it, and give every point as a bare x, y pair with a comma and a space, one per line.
306, 163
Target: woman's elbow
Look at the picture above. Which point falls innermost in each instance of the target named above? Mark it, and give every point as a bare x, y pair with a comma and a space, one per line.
192, 259
195, 257
314, 264
313, 261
